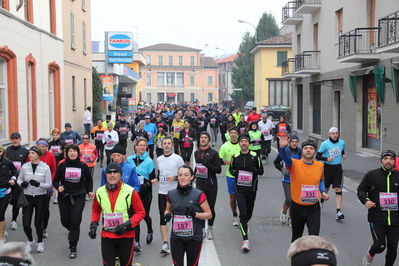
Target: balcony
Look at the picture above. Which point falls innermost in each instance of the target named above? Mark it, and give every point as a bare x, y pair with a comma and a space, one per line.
358, 46
308, 6
307, 63
388, 33
289, 16
288, 68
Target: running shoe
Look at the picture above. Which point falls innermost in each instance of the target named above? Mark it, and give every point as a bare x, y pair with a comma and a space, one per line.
40, 247
55, 200
87, 197
45, 233
5, 234
203, 233
149, 238
14, 225
165, 249
137, 247
236, 221
73, 254
245, 246
267, 158
368, 259
263, 160
29, 245
339, 216
209, 233
283, 217
289, 222
3, 240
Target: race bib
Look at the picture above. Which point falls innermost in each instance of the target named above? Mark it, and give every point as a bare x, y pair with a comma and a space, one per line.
213, 120
124, 130
309, 194
242, 130
177, 129
55, 149
202, 171
73, 174
100, 135
182, 226
256, 142
112, 220
244, 178
265, 132
69, 141
334, 152
141, 179
163, 176
149, 134
109, 143
17, 165
201, 123
389, 201
283, 129
86, 157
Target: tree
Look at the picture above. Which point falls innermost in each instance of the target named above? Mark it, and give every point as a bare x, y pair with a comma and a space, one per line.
267, 27
243, 75
97, 95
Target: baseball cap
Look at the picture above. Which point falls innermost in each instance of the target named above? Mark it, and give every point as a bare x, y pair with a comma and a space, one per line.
15, 135
147, 117
332, 129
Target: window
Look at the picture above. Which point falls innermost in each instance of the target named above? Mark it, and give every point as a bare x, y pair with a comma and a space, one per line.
180, 60
148, 97
179, 78
299, 108
316, 37
210, 97
84, 5
316, 103
281, 55
191, 60
160, 60
171, 60
339, 19
28, 8
192, 80
73, 46
210, 80
53, 18
73, 94
85, 93
148, 59
148, 79
84, 37
192, 95
161, 78
170, 78
298, 43
31, 97
3, 101
279, 92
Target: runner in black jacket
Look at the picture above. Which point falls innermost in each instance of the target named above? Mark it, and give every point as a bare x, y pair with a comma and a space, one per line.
378, 191
208, 164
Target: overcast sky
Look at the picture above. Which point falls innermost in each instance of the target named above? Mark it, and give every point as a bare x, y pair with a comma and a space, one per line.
183, 22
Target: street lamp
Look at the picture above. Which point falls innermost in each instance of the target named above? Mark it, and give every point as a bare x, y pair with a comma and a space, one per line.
227, 74
256, 33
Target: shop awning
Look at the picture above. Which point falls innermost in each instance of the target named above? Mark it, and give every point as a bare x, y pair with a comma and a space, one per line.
171, 94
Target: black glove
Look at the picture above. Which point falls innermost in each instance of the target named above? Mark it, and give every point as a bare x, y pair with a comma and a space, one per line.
93, 230
109, 136
34, 183
190, 213
206, 163
25, 184
121, 229
167, 217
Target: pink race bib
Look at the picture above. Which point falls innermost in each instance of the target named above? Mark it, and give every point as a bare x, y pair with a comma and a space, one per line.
389, 201
309, 194
73, 174
182, 226
112, 220
17, 165
202, 171
244, 178
69, 141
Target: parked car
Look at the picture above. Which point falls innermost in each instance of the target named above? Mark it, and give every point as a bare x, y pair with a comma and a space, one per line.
249, 105
273, 111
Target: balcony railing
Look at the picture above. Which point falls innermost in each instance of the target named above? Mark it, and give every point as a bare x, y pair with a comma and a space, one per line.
308, 6
287, 66
289, 11
307, 62
358, 41
388, 32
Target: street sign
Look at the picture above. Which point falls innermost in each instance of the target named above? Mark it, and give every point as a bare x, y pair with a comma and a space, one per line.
223, 90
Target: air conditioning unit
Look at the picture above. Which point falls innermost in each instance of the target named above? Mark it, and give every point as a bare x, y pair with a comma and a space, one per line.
124, 89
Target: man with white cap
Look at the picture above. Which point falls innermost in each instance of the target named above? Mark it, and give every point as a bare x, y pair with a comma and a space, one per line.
332, 151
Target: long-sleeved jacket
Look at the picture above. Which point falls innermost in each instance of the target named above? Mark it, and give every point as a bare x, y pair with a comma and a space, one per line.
145, 168
17, 155
123, 128
7, 170
151, 131
110, 138
139, 134
129, 176
382, 188
279, 163
208, 158
214, 121
191, 134
247, 162
75, 176
49, 159
55, 146
42, 175
71, 137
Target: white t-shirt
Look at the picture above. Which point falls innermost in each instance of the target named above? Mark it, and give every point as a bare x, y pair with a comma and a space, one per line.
168, 167
87, 117
265, 127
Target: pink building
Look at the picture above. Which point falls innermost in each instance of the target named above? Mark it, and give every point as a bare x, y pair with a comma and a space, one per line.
177, 73
226, 65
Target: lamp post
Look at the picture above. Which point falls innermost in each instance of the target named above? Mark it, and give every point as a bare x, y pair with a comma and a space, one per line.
227, 74
256, 32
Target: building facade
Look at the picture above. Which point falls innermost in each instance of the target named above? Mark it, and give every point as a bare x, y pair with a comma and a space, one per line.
31, 68
225, 73
175, 73
270, 87
77, 61
345, 70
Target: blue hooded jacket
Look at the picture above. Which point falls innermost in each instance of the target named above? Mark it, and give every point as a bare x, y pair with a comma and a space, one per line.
129, 176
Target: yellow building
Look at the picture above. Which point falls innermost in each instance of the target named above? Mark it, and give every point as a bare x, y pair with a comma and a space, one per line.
270, 88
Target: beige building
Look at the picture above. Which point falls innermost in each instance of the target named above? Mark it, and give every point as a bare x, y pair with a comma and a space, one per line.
77, 61
31, 68
345, 68
226, 87
175, 73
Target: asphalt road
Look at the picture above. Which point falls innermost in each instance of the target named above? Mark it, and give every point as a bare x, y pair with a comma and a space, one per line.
269, 239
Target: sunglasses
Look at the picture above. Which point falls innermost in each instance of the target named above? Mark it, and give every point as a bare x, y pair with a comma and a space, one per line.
112, 171
85, 138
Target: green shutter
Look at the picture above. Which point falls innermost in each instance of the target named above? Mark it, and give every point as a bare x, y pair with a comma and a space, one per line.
353, 87
379, 74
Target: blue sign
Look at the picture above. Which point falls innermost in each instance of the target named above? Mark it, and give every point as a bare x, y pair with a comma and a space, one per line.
120, 54
123, 60
120, 41
127, 72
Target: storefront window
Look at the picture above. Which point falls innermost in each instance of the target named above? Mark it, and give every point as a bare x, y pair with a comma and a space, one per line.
3, 102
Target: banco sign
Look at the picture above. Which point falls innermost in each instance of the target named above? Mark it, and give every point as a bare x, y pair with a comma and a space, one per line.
120, 41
